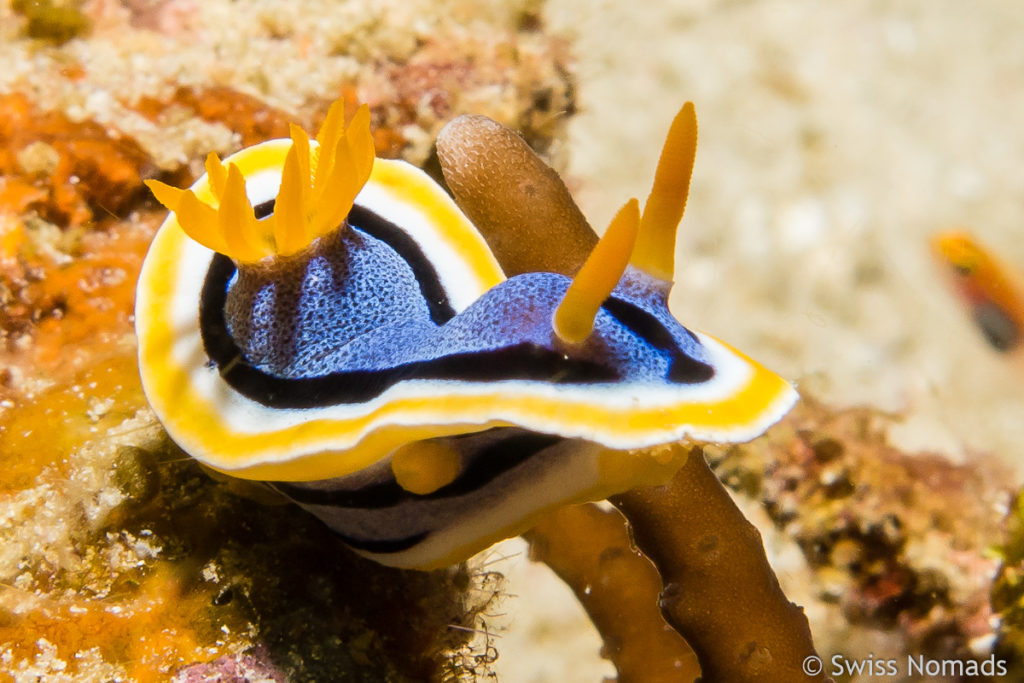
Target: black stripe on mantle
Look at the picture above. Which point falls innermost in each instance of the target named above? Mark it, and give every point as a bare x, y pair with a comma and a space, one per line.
485, 466
382, 546
524, 361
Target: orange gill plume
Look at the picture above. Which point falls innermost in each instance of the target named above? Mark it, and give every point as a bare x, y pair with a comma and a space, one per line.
318, 187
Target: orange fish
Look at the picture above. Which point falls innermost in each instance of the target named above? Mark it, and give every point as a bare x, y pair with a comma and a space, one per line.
992, 291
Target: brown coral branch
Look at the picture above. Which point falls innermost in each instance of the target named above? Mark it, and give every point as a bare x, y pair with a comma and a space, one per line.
589, 549
519, 204
720, 593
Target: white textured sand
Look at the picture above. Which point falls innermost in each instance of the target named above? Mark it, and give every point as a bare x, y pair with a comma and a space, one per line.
835, 138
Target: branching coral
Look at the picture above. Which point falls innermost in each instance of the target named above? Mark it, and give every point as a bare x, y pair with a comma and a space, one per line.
590, 549
717, 589
720, 593
519, 203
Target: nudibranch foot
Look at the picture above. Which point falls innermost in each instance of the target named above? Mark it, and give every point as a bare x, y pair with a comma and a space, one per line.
507, 478
335, 325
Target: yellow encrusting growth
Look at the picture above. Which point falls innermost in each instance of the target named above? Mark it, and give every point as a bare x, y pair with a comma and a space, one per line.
422, 467
318, 186
656, 244
573, 320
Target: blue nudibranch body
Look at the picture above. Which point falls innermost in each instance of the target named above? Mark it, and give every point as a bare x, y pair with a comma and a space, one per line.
335, 326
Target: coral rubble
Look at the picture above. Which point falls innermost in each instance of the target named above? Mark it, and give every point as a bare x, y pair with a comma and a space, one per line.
899, 545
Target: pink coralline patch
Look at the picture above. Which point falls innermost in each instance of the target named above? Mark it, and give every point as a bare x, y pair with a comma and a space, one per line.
431, 79
170, 17
253, 119
248, 667
881, 594
421, 90
481, 76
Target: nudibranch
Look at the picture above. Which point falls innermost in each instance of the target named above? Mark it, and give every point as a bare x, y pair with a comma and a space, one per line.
333, 325
993, 293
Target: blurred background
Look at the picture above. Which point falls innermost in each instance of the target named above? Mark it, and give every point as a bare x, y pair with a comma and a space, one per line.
835, 139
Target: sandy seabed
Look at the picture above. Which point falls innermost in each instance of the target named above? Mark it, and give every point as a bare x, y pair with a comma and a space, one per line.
835, 139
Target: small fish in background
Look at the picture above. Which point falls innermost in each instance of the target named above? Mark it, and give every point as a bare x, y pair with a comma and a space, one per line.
993, 292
